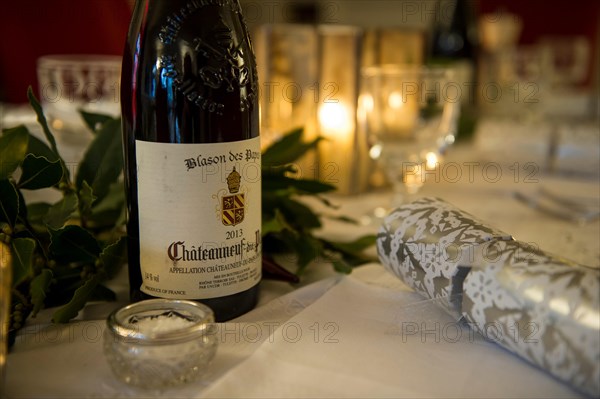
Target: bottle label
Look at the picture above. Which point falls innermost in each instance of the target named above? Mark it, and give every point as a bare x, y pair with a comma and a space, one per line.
199, 218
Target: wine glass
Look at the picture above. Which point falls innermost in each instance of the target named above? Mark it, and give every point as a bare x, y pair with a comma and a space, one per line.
409, 114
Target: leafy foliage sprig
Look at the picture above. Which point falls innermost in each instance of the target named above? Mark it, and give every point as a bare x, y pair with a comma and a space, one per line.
64, 252
288, 225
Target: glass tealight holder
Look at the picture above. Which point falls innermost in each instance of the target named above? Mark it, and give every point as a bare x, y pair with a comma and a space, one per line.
159, 343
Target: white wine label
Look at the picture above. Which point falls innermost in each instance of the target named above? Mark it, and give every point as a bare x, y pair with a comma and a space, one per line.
200, 218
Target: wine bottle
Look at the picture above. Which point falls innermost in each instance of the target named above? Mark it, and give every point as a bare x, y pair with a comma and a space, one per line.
452, 36
455, 44
189, 98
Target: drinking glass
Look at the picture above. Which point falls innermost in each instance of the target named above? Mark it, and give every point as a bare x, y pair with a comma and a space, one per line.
69, 83
410, 115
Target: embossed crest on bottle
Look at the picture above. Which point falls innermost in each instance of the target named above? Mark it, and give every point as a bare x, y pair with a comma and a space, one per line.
220, 62
190, 117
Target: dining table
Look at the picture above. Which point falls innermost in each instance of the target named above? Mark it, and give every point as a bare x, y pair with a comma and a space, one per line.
362, 334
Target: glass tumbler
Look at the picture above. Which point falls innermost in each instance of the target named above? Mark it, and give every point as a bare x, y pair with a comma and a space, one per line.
159, 343
70, 83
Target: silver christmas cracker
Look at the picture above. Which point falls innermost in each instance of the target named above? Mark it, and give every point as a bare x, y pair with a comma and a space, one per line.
541, 307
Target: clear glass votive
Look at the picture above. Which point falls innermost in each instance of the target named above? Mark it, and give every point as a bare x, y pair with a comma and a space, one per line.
159, 343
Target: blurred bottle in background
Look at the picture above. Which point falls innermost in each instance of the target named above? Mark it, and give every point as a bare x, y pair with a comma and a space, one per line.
454, 43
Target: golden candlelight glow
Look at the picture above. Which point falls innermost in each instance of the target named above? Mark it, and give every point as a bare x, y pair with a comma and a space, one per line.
395, 100
336, 124
334, 118
413, 178
431, 160
365, 107
400, 115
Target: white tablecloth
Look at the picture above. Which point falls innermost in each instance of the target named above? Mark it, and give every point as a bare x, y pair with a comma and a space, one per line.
363, 335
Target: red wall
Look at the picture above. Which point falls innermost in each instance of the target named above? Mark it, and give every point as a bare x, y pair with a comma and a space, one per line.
31, 28
550, 17
554, 18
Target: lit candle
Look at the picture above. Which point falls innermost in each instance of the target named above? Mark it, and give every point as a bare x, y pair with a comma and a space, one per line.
413, 177
337, 126
431, 160
400, 115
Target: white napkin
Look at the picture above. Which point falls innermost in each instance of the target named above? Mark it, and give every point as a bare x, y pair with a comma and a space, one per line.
369, 336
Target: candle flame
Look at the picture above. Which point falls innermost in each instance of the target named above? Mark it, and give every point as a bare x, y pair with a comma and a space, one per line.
395, 100
431, 160
335, 118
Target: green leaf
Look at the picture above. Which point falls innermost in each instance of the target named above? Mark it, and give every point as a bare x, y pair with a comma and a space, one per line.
102, 293
288, 149
330, 204
39, 172
73, 244
41, 149
302, 186
22, 249
276, 224
86, 199
77, 302
9, 203
94, 122
299, 214
275, 244
271, 226
37, 211
107, 212
352, 253
356, 246
61, 212
343, 218
273, 154
22, 215
113, 256
41, 118
307, 248
340, 265
113, 200
279, 170
103, 161
122, 218
13, 148
38, 289
35, 104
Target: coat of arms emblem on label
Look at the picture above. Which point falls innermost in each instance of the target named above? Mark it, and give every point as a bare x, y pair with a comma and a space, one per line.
232, 206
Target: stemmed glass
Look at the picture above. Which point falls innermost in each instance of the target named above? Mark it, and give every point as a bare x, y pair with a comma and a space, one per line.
409, 114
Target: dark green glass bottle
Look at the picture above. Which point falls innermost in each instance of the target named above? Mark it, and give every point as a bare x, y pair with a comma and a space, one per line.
189, 97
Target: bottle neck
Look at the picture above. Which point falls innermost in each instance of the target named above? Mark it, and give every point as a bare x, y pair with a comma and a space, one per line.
451, 37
